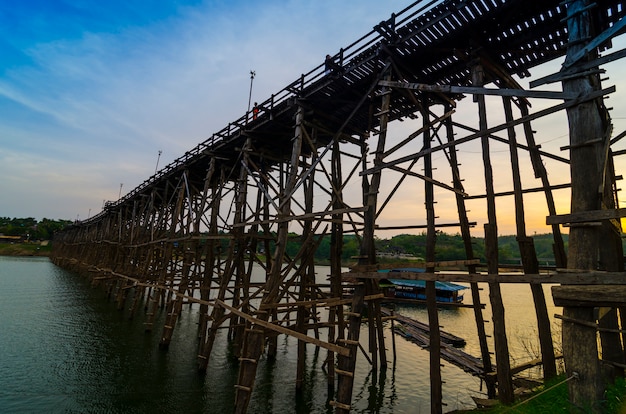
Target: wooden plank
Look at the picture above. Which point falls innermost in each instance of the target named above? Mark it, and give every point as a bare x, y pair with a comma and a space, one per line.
589, 295
559, 76
571, 278
530, 364
524, 191
539, 114
423, 226
163, 287
443, 263
479, 90
415, 134
446, 337
319, 302
614, 30
587, 216
331, 347
289, 218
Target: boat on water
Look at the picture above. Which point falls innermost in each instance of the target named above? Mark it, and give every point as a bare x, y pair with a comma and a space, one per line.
446, 292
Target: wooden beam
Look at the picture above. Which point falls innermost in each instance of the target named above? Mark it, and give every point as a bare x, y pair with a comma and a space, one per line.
267, 325
319, 214
608, 295
413, 135
422, 226
572, 278
530, 364
479, 90
568, 104
445, 263
603, 37
587, 216
428, 180
524, 191
318, 302
562, 74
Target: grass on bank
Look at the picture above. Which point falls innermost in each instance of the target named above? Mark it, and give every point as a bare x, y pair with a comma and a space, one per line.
24, 249
553, 398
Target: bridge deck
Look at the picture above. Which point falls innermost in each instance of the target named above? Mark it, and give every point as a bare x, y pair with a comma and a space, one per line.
200, 228
431, 42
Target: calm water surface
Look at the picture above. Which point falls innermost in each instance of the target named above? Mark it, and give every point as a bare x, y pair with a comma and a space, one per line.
65, 349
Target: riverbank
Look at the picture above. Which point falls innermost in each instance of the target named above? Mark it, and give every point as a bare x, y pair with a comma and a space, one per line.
25, 249
554, 398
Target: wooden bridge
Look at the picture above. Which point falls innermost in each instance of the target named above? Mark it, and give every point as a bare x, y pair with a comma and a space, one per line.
319, 160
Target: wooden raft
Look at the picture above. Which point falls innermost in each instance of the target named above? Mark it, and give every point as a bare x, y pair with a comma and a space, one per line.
414, 331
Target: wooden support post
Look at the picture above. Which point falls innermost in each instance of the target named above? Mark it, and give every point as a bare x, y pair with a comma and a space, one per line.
209, 261
528, 254
393, 337
540, 172
373, 345
380, 334
174, 304
580, 342
253, 346
240, 244
588, 126
436, 392
367, 254
469, 253
213, 268
336, 245
505, 384
307, 277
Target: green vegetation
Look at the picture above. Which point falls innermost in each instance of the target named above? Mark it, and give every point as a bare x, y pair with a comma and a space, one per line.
615, 397
553, 399
25, 249
407, 247
27, 236
404, 247
31, 229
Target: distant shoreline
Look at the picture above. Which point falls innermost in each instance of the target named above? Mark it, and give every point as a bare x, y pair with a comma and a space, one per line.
25, 249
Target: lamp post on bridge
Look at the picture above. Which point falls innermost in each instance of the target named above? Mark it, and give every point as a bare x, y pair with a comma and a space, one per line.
157, 164
252, 75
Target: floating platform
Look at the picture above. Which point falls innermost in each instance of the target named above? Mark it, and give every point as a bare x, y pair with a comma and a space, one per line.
418, 333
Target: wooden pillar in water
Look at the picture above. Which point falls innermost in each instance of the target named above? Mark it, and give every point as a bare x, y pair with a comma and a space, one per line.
469, 253
175, 304
540, 172
160, 262
255, 335
238, 269
611, 259
431, 293
307, 274
589, 140
529, 255
346, 364
335, 314
503, 364
208, 264
213, 270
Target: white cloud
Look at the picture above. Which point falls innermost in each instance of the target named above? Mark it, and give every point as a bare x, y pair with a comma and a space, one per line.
102, 104
106, 102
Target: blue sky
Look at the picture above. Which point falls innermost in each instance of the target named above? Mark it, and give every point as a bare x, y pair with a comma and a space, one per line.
90, 91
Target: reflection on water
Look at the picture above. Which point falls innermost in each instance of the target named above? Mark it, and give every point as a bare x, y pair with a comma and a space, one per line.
65, 348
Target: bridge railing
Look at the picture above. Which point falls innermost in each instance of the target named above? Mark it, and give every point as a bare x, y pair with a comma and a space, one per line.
347, 59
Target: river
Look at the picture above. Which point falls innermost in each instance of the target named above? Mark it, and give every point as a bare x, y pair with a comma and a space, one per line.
65, 349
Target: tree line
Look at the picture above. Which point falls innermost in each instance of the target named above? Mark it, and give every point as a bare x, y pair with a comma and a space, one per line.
448, 246
413, 247
31, 229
